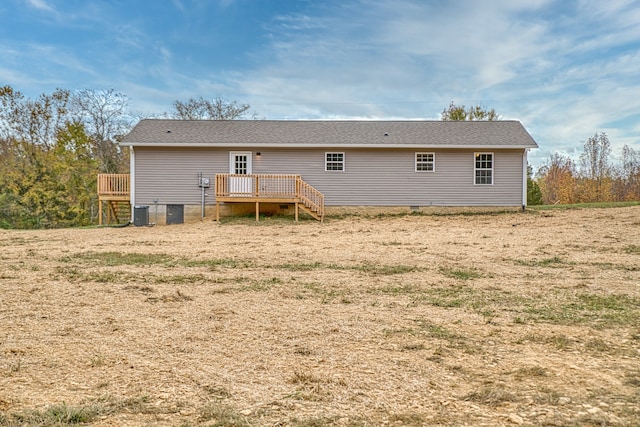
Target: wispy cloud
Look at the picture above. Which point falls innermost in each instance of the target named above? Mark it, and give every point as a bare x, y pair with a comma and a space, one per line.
41, 5
566, 69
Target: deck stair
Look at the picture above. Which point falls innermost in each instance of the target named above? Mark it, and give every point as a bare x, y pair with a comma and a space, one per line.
118, 211
260, 188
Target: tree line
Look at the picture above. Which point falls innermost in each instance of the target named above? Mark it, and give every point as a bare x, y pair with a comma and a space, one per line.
595, 177
52, 148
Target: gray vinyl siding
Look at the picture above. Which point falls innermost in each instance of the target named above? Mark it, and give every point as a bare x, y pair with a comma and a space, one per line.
374, 177
171, 174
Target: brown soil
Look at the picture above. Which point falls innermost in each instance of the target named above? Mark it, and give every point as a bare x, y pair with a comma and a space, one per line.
507, 319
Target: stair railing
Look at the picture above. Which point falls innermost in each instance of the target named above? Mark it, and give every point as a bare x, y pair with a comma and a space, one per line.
310, 197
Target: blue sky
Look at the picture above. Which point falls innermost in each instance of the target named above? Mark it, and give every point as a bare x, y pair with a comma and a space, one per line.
566, 69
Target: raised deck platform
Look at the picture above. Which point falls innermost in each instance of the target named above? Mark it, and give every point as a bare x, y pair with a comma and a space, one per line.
260, 188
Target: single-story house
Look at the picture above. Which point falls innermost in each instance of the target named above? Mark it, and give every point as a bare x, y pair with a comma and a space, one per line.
181, 169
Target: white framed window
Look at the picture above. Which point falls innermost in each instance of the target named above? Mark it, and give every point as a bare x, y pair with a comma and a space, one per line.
483, 168
334, 162
425, 162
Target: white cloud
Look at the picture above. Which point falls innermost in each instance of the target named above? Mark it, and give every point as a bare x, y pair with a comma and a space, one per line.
41, 5
565, 73
565, 69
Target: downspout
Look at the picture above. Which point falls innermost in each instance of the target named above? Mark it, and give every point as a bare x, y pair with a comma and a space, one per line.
132, 179
524, 179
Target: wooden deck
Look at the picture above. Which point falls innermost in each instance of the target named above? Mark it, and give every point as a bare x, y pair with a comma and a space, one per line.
114, 189
289, 189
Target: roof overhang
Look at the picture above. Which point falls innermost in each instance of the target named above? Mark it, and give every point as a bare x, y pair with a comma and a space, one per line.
334, 146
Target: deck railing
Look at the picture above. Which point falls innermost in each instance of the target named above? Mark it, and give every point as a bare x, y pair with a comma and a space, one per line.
285, 188
113, 185
261, 186
310, 197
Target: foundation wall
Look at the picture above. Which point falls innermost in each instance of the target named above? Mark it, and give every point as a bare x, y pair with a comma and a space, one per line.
193, 213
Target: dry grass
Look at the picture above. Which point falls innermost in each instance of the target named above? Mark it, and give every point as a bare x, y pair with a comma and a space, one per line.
506, 319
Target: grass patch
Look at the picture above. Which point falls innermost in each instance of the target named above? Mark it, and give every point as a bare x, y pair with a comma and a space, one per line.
369, 268
113, 259
216, 262
261, 285
545, 262
600, 205
632, 249
449, 297
221, 415
309, 266
592, 309
400, 289
177, 279
437, 331
56, 415
385, 270
460, 273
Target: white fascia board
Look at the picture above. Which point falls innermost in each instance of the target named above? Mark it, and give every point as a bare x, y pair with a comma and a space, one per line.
324, 145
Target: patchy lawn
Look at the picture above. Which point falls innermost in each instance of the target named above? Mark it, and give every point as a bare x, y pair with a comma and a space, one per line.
507, 319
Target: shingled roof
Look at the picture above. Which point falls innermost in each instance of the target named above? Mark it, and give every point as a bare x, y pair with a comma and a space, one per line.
329, 133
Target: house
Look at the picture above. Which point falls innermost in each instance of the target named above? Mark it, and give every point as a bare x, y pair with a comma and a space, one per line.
183, 169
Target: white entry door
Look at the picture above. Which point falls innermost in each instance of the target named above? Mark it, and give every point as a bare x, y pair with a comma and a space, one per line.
240, 164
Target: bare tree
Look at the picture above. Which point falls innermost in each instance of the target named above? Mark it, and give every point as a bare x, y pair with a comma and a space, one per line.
629, 175
594, 160
204, 109
595, 168
33, 121
104, 115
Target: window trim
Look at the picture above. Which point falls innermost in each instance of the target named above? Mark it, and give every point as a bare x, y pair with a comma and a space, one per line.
432, 162
340, 162
476, 169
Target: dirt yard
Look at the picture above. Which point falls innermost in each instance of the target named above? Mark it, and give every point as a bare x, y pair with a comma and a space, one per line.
494, 319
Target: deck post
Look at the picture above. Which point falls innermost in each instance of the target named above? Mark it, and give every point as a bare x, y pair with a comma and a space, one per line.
217, 211
296, 211
257, 211
99, 212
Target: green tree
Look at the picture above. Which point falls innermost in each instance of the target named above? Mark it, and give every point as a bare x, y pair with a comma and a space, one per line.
534, 195
51, 150
462, 113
